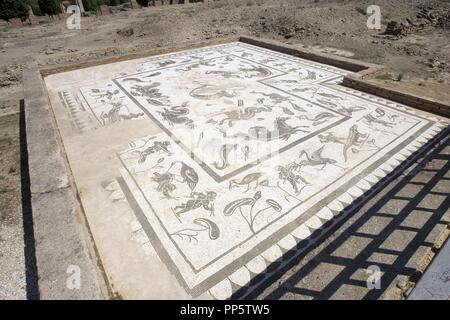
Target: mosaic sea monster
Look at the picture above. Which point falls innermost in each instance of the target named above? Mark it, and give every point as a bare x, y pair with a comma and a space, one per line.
354, 138
246, 181
281, 131
245, 114
259, 72
316, 159
209, 92
156, 147
177, 115
199, 200
113, 115
224, 152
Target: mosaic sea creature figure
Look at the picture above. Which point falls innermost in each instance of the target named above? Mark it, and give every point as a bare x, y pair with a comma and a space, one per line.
310, 75
318, 118
166, 63
281, 131
296, 107
445, 276
238, 115
329, 96
289, 81
246, 181
277, 98
252, 72
100, 94
370, 119
196, 66
165, 184
209, 92
153, 75
187, 173
151, 91
279, 65
131, 115
133, 80
354, 138
316, 159
288, 173
113, 114
381, 113
260, 71
177, 115
306, 89
348, 111
225, 74
198, 200
224, 153
284, 109
156, 147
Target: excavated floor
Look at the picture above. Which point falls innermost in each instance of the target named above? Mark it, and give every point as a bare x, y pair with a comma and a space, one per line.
199, 170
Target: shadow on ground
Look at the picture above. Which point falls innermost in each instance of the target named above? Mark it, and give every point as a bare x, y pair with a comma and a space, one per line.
393, 231
31, 275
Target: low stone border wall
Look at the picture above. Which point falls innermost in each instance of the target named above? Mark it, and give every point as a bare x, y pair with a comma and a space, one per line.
64, 252
427, 104
336, 61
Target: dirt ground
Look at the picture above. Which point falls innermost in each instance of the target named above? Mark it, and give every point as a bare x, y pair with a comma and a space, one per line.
12, 277
418, 60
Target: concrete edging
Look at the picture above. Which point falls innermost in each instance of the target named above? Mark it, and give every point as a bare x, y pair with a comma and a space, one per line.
357, 82
336, 61
61, 247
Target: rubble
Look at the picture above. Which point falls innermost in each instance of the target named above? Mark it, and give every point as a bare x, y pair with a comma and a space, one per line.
425, 17
125, 32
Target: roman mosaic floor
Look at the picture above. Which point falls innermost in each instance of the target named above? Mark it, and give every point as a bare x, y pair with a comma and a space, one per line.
198, 170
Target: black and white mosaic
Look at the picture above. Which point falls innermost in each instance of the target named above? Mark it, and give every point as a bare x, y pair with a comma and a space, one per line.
257, 149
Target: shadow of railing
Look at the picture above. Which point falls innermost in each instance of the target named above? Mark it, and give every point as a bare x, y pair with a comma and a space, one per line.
386, 230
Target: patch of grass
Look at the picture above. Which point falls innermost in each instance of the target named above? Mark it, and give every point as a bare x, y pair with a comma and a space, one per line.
6, 141
5, 190
216, 4
362, 9
385, 20
12, 170
384, 76
189, 12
